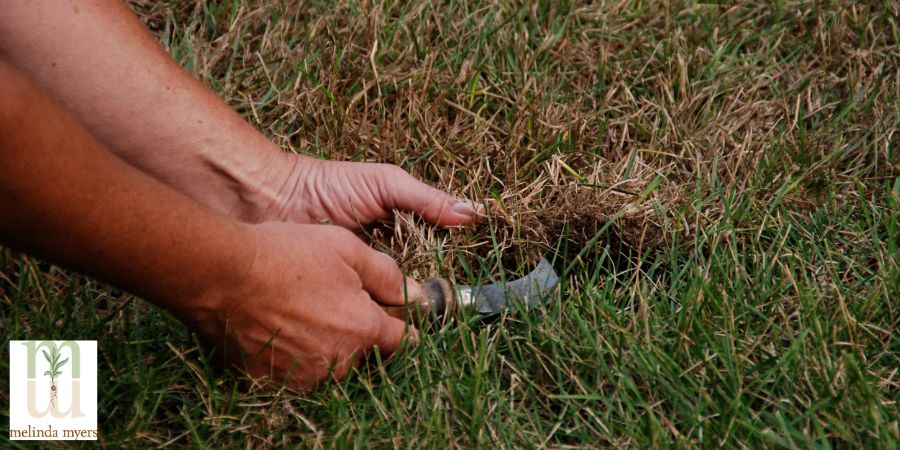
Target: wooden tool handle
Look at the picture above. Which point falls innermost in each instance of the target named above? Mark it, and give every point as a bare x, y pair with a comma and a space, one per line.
425, 302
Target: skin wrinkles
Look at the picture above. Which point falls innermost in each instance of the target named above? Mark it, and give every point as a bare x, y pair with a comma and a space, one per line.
139, 175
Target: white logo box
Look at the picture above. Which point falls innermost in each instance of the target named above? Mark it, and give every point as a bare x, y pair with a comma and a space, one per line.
35, 413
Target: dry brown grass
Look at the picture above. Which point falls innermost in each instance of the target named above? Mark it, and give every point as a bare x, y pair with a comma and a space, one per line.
748, 144
562, 123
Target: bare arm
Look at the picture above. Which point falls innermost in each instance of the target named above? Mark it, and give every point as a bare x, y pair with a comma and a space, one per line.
104, 66
66, 198
98, 60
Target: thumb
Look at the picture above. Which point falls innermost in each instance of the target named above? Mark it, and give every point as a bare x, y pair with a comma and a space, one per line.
402, 191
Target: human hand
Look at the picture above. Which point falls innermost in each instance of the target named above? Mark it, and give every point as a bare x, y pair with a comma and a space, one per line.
133, 98
305, 309
302, 189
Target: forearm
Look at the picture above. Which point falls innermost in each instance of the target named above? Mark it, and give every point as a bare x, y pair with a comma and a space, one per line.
65, 198
99, 61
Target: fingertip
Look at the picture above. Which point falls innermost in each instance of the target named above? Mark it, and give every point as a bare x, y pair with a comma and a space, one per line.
460, 213
468, 208
392, 332
406, 193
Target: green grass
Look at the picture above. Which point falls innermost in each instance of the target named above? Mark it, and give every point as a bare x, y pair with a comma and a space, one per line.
720, 183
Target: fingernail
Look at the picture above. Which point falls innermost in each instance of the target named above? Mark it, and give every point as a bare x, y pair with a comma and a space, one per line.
467, 208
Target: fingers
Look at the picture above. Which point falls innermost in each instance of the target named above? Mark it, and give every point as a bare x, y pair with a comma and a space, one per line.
402, 191
391, 333
382, 279
380, 276
386, 336
379, 273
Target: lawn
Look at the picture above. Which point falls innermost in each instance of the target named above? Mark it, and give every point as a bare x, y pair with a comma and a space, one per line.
718, 185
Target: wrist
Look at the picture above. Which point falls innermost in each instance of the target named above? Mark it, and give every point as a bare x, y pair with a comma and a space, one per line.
270, 192
239, 170
207, 298
255, 181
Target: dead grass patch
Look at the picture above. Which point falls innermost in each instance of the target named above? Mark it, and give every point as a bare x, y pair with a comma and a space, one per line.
562, 117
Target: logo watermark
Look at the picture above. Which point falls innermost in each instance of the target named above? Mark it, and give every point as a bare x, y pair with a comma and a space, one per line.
53, 390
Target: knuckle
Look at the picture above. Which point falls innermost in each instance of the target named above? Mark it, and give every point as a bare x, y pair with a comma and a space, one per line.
385, 179
342, 239
391, 269
371, 332
392, 170
370, 329
389, 168
338, 233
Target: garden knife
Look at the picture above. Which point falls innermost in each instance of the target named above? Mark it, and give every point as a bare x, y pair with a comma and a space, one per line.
437, 298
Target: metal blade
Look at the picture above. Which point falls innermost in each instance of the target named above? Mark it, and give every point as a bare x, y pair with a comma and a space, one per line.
532, 289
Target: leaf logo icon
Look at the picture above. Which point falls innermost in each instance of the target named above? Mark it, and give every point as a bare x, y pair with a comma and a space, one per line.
55, 366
